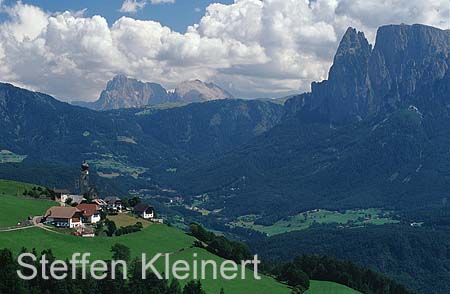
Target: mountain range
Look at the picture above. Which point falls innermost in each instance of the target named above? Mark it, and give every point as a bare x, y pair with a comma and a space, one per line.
125, 92
373, 134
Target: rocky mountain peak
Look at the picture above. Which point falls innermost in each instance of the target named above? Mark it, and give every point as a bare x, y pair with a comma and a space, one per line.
120, 80
353, 42
125, 92
406, 60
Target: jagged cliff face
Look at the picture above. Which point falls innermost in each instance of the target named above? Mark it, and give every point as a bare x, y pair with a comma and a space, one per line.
123, 92
405, 61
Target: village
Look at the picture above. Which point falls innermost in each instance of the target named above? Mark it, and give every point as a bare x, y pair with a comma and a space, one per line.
87, 215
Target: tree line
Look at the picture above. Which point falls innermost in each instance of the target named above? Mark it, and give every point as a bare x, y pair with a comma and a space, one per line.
298, 272
219, 245
10, 283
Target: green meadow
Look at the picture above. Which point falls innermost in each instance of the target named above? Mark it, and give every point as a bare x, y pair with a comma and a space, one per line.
14, 188
301, 221
15, 209
321, 287
19, 209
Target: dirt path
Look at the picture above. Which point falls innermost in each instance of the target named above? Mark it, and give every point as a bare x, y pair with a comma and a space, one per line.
35, 223
15, 229
42, 226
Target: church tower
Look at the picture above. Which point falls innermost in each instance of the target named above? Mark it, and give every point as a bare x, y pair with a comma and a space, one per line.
84, 178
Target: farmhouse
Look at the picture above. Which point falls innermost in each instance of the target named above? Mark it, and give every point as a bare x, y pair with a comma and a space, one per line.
67, 217
144, 210
90, 212
114, 203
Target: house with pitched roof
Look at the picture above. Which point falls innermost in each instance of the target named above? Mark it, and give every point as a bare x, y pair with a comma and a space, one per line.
90, 212
65, 217
144, 210
114, 203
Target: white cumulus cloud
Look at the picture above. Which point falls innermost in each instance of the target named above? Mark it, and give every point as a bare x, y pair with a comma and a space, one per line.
253, 48
132, 6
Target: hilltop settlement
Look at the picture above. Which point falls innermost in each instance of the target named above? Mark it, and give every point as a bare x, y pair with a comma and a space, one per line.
89, 215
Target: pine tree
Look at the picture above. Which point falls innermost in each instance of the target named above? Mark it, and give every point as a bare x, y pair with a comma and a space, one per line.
193, 287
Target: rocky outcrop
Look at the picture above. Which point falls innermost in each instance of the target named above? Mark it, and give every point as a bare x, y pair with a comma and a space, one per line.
124, 92
406, 60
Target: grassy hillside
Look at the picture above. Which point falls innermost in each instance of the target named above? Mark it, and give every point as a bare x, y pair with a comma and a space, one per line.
153, 239
322, 287
15, 209
19, 209
123, 220
14, 188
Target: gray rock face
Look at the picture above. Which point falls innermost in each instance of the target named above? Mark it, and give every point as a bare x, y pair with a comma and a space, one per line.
124, 92
406, 60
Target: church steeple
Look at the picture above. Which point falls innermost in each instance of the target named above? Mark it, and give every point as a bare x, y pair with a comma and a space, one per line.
84, 178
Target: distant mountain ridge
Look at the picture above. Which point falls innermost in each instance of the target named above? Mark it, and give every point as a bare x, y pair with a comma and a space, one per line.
46, 129
196, 91
124, 92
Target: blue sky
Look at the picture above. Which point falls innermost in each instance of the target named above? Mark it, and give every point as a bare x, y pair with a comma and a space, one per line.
251, 48
178, 16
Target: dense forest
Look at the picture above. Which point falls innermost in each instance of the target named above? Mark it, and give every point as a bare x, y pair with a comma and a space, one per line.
298, 272
414, 256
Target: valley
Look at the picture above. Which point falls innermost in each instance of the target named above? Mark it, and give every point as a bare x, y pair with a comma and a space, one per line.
357, 169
